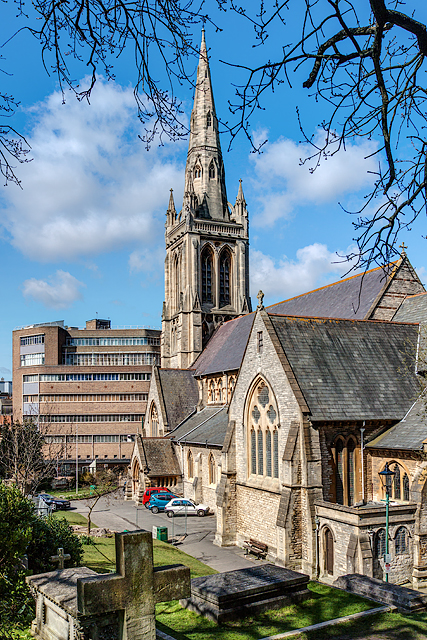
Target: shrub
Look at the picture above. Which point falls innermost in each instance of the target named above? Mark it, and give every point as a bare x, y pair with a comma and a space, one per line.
48, 535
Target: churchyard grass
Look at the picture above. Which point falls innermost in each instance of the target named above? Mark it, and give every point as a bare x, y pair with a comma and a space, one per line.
84, 493
72, 517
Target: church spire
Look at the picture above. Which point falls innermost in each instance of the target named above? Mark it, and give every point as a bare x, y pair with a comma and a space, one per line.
205, 169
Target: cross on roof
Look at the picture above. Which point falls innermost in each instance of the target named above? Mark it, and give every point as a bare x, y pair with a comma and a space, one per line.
135, 587
403, 247
260, 297
60, 558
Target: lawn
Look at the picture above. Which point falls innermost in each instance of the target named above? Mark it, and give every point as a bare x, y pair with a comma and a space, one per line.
72, 517
84, 492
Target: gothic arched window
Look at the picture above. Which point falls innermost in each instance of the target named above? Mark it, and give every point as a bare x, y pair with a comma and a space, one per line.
212, 469
224, 279
190, 465
399, 483
380, 543
211, 395
211, 170
220, 391
197, 171
209, 119
401, 540
207, 276
344, 453
154, 421
262, 423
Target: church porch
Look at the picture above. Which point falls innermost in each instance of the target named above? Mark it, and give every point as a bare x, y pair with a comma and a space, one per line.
352, 540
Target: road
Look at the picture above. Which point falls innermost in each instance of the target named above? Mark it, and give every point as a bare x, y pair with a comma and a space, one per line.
194, 535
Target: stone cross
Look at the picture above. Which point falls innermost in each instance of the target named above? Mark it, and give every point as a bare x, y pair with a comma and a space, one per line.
135, 587
403, 247
60, 558
260, 297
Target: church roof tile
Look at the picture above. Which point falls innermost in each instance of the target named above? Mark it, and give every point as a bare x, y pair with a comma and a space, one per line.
409, 434
207, 426
180, 394
351, 370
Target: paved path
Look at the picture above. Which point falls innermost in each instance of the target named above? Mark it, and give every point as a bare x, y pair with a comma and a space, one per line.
195, 534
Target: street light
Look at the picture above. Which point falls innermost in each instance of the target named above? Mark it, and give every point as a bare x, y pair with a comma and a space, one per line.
386, 476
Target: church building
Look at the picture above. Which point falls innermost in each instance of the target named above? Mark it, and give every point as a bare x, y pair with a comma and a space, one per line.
281, 419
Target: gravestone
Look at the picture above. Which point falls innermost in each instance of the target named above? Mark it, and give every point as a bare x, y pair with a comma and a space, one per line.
80, 604
236, 594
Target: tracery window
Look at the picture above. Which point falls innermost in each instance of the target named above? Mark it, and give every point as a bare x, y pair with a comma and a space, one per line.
208, 119
154, 421
231, 383
211, 170
380, 543
399, 484
263, 438
211, 394
401, 540
212, 469
190, 465
197, 171
220, 393
224, 279
344, 453
207, 276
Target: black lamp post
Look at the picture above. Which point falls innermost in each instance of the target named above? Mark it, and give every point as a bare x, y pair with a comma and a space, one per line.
386, 476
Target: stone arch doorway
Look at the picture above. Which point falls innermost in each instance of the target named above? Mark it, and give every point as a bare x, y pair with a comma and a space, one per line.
328, 541
135, 480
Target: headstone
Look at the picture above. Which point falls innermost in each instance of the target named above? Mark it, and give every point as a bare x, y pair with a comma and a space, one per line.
236, 594
79, 604
60, 557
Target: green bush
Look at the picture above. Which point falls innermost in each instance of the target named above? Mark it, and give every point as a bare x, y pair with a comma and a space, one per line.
49, 534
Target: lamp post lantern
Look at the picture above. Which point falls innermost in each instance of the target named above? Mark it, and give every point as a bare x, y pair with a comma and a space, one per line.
386, 476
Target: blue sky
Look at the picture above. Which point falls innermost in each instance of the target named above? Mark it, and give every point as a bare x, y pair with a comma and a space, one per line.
85, 235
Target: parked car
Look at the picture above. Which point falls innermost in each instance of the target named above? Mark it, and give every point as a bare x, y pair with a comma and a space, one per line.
158, 501
182, 506
148, 493
55, 503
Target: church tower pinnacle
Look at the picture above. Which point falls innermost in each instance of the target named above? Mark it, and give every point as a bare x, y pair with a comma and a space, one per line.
207, 243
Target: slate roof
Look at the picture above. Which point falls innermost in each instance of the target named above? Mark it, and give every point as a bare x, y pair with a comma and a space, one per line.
349, 298
207, 426
180, 394
225, 349
351, 370
159, 456
408, 434
412, 309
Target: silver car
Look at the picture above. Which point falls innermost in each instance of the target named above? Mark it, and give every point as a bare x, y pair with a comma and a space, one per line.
184, 506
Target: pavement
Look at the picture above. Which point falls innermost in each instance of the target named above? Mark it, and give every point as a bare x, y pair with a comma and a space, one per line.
193, 535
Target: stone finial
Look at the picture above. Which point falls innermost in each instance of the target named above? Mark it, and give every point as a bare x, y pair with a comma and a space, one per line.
403, 247
260, 297
60, 558
240, 196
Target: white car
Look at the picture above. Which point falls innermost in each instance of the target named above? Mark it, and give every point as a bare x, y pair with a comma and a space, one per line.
183, 506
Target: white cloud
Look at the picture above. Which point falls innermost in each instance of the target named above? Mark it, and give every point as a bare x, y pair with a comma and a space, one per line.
59, 292
92, 187
284, 183
284, 278
147, 260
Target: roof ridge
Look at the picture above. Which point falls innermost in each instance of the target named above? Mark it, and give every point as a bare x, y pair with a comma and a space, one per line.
377, 321
332, 284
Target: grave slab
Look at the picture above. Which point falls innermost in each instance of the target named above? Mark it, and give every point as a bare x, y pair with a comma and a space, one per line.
236, 594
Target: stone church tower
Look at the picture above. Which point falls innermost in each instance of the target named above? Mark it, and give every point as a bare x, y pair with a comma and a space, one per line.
207, 243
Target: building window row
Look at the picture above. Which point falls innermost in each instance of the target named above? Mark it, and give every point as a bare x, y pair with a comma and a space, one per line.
31, 398
88, 439
85, 377
91, 397
31, 359
27, 340
109, 342
103, 417
217, 391
399, 484
110, 359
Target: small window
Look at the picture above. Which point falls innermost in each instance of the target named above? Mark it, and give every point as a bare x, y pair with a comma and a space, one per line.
260, 342
197, 172
211, 170
209, 120
401, 540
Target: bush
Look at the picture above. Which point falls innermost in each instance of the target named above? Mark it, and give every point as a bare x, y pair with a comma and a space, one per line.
49, 534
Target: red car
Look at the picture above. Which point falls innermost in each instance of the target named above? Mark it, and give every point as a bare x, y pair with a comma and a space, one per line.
150, 490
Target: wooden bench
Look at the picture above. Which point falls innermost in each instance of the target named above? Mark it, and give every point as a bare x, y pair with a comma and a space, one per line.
259, 549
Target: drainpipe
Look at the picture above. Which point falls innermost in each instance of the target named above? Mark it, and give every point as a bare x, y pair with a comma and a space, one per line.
362, 446
317, 521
